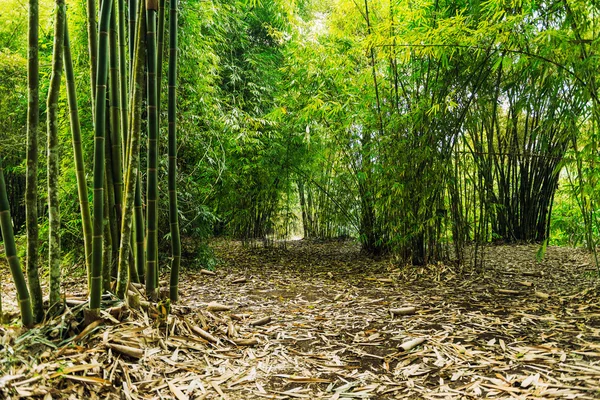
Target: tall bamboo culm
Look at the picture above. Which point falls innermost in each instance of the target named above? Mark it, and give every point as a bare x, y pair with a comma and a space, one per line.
138, 21
100, 128
125, 269
123, 79
133, 29
92, 47
54, 257
82, 190
31, 190
152, 178
160, 41
172, 111
115, 129
11, 254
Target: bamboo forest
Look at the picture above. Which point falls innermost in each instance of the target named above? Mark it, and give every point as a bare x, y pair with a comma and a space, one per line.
309, 199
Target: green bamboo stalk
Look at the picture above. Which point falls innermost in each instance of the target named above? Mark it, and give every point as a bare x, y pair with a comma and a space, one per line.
132, 172
92, 46
140, 239
53, 157
82, 190
140, 244
159, 55
110, 217
123, 77
152, 184
132, 10
11, 254
159, 69
99, 156
173, 212
31, 189
115, 131
108, 234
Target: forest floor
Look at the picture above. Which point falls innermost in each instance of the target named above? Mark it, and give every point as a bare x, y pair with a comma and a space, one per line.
324, 321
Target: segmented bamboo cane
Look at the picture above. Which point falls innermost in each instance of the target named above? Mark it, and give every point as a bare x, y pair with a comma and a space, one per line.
115, 131
100, 111
123, 79
152, 185
54, 257
82, 190
173, 211
159, 55
31, 189
11, 254
140, 229
132, 172
92, 47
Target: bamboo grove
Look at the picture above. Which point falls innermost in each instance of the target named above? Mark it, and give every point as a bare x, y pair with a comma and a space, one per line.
422, 129
120, 86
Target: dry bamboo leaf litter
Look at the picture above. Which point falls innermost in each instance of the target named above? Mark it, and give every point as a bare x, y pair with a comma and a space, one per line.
317, 321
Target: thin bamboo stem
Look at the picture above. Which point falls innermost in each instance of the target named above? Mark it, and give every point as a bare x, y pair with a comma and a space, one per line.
31, 189
152, 185
132, 173
11, 254
54, 256
99, 156
82, 190
172, 116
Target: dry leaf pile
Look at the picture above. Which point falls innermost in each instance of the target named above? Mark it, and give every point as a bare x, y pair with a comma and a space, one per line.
323, 321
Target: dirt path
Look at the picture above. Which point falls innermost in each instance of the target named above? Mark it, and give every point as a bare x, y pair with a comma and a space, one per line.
517, 329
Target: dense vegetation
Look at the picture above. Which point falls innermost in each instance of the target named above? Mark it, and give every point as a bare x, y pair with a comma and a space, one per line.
416, 127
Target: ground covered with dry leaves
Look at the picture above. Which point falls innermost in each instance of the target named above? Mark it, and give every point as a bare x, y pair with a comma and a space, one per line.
323, 321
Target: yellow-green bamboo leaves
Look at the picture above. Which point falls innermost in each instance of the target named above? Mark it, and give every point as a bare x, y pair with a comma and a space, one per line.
172, 117
11, 254
31, 190
99, 157
54, 257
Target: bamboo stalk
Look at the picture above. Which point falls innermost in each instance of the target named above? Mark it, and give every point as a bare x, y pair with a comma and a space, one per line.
31, 188
99, 156
152, 185
140, 229
132, 173
172, 111
92, 47
116, 156
54, 256
133, 14
159, 54
11, 254
123, 79
82, 189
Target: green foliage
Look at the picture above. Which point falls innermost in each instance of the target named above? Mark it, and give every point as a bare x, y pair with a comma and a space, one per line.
432, 124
